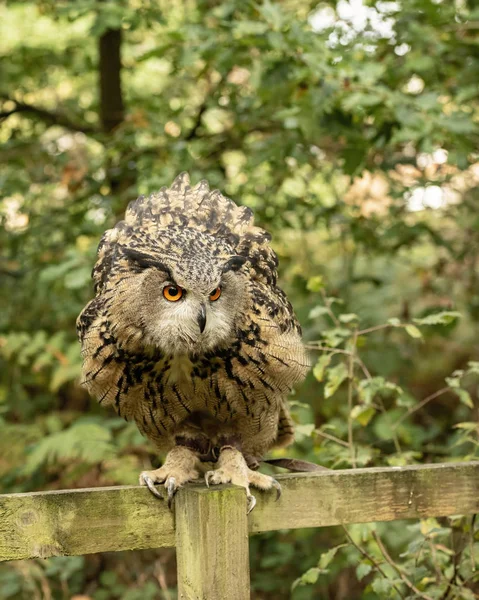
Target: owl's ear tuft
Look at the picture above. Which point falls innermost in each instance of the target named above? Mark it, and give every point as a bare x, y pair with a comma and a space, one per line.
181, 182
145, 261
234, 263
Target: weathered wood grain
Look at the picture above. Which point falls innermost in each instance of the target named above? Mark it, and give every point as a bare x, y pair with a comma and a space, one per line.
365, 495
125, 518
212, 544
84, 521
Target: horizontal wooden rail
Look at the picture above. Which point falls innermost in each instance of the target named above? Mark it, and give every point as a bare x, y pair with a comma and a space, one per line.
70, 522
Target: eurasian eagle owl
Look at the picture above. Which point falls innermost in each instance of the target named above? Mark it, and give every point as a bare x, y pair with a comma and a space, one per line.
189, 335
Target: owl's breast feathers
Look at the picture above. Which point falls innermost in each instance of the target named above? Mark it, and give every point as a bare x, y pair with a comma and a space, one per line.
244, 382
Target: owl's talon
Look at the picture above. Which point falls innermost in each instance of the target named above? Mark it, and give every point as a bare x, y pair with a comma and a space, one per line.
208, 474
171, 488
251, 503
277, 487
232, 468
180, 467
150, 484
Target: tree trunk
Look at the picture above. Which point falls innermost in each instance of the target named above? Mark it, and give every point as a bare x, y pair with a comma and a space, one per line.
121, 179
112, 110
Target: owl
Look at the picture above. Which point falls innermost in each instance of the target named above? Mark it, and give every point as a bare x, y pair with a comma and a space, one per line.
189, 336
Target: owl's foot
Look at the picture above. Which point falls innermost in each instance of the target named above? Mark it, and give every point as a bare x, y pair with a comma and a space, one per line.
232, 468
181, 466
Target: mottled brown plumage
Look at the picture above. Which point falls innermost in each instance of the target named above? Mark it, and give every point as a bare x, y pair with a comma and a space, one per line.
196, 375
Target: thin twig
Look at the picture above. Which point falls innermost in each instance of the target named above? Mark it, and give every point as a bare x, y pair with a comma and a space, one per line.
161, 578
456, 557
327, 304
471, 543
401, 574
333, 351
350, 397
376, 328
363, 367
397, 445
311, 346
375, 564
437, 568
333, 438
50, 117
421, 404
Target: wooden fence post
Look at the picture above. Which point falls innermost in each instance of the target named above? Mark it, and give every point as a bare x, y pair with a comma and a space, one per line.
212, 543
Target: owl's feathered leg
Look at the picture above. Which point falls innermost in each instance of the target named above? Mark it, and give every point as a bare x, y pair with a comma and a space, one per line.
181, 465
232, 468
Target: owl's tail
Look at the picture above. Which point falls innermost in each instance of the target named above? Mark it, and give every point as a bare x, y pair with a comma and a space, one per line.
296, 465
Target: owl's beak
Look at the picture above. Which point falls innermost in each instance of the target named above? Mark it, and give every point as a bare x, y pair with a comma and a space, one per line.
202, 318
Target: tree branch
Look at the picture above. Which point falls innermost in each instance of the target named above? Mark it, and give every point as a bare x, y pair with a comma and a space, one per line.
49, 117
398, 570
373, 562
211, 89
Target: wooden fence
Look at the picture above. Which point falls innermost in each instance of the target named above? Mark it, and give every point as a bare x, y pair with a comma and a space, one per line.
209, 526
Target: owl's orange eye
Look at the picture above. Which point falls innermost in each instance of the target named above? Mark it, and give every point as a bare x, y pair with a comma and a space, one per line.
172, 293
215, 294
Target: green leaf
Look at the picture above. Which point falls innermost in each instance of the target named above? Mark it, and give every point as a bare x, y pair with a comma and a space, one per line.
459, 123
310, 577
326, 558
319, 368
453, 382
315, 284
409, 117
362, 570
64, 374
88, 442
318, 311
369, 388
361, 99
348, 317
303, 431
336, 336
440, 318
467, 594
294, 187
272, 13
468, 426
365, 455
363, 414
464, 397
394, 322
384, 424
57, 271
336, 376
78, 278
473, 367
381, 586
413, 331
249, 28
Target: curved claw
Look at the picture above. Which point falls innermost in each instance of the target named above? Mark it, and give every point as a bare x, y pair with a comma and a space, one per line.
251, 504
208, 475
150, 484
171, 488
277, 487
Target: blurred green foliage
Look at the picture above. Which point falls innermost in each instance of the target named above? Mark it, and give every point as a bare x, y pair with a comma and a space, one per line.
351, 129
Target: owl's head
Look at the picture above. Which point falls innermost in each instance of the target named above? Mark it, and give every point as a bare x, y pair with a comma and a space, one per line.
179, 272
185, 301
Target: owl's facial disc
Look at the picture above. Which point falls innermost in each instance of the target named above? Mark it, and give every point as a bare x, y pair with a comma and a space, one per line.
183, 312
